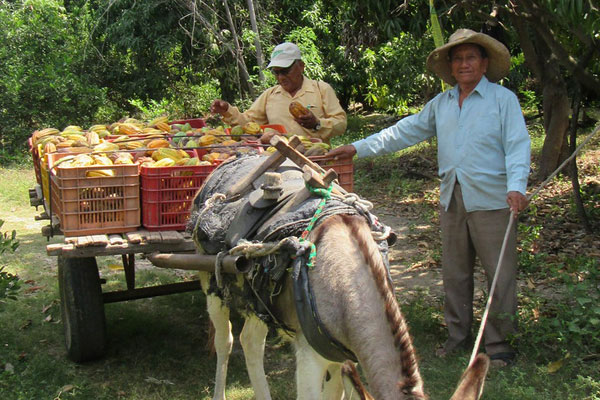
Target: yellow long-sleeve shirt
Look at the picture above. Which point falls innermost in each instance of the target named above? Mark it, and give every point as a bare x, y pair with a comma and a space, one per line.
272, 107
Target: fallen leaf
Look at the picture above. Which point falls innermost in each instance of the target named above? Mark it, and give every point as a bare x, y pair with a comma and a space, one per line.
530, 283
556, 365
33, 289
46, 308
158, 381
26, 325
65, 389
22, 356
48, 318
9, 368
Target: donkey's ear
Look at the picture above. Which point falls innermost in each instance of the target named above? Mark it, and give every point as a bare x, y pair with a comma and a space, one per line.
353, 387
471, 383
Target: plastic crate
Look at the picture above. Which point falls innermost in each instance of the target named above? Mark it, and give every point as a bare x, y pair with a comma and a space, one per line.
95, 205
343, 166
167, 194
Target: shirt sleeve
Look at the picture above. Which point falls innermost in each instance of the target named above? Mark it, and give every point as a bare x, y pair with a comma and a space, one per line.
256, 113
405, 133
517, 146
333, 122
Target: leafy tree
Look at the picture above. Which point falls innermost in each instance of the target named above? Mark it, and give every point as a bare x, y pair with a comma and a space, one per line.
43, 77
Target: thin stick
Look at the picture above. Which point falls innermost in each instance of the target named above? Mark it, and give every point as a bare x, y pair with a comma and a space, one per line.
506, 234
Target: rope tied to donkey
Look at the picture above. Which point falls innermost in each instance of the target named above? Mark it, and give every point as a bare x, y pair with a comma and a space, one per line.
325, 195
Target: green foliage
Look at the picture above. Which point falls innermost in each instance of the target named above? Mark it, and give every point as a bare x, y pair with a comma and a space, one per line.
306, 39
43, 78
9, 283
394, 75
8, 242
571, 322
530, 260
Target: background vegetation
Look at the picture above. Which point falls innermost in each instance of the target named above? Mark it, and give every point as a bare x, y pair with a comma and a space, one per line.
82, 62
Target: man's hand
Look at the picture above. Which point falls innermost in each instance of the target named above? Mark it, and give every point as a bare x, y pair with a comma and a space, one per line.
516, 201
219, 106
347, 151
308, 121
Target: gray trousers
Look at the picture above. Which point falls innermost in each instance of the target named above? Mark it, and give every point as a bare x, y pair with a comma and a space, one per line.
464, 236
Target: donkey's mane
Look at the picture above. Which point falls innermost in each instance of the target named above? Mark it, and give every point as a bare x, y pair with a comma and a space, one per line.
411, 384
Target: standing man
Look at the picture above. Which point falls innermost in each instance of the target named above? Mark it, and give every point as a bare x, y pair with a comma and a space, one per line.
483, 160
325, 119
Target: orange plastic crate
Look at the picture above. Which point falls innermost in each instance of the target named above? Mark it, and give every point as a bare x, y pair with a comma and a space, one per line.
95, 205
344, 168
167, 195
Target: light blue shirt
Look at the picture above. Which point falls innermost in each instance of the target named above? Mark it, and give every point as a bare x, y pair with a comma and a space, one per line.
484, 144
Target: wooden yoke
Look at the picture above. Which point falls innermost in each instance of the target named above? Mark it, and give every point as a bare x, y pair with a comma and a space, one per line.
301, 160
271, 163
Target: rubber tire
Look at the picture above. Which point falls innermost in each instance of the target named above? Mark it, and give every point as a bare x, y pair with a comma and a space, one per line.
82, 308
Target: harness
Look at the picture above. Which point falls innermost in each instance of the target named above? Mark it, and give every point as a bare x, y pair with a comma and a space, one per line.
277, 242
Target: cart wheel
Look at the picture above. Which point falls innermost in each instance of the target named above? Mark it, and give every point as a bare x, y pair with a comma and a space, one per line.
82, 308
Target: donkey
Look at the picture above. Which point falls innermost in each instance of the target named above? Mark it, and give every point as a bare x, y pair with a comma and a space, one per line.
357, 307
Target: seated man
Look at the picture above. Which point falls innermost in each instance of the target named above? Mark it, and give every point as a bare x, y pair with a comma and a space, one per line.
325, 119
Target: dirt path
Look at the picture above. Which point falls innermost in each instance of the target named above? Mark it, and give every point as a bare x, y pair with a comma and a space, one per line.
414, 258
411, 275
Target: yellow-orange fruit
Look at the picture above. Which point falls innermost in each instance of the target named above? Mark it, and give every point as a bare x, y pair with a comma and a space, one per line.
157, 143
297, 109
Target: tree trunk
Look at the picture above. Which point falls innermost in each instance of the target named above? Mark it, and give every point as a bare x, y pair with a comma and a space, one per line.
556, 118
573, 164
259, 53
239, 55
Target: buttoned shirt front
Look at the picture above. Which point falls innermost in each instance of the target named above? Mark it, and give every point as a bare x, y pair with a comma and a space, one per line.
484, 144
272, 107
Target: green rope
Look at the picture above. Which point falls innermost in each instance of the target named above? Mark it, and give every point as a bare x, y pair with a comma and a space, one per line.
325, 195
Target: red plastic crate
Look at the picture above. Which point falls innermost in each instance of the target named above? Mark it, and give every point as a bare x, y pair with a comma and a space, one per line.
167, 194
95, 205
344, 168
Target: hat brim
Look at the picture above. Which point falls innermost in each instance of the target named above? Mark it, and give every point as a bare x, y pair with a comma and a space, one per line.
280, 63
498, 56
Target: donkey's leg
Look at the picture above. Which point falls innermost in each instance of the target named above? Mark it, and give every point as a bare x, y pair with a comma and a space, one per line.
223, 340
252, 338
310, 371
219, 315
333, 387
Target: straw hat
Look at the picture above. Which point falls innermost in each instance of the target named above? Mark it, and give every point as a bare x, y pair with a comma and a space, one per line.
498, 55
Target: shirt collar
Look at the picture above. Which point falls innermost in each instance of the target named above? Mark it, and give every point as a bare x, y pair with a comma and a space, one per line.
306, 87
481, 88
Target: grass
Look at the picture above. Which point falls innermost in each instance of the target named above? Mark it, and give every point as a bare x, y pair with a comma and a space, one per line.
156, 346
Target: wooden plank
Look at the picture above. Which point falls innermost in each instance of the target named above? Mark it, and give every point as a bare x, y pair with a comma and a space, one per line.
55, 247
171, 237
84, 241
115, 240
134, 237
153, 237
99, 240
71, 240
70, 250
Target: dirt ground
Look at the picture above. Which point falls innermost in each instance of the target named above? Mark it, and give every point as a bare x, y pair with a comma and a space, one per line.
414, 269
